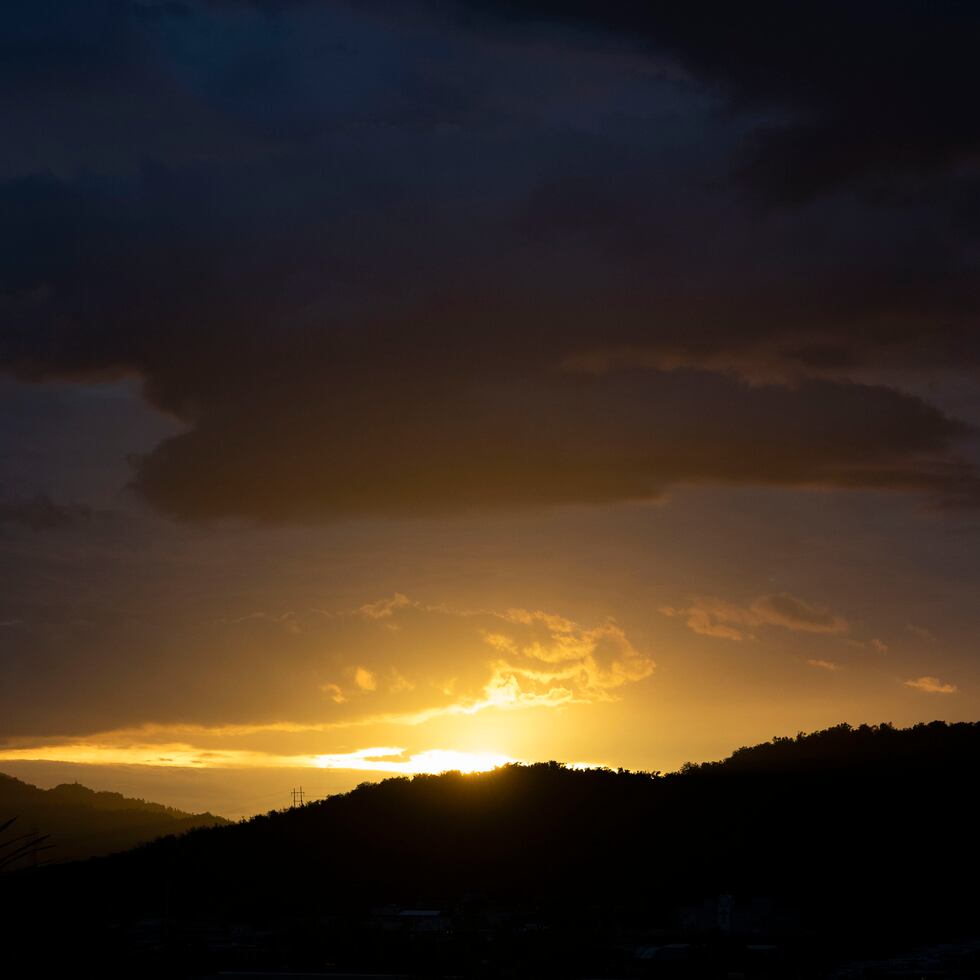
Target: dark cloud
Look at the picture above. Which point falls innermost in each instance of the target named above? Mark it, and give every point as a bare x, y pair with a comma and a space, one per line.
557, 439
839, 91
379, 263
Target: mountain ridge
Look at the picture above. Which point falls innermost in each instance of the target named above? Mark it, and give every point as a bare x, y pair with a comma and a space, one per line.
842, 840
79, 822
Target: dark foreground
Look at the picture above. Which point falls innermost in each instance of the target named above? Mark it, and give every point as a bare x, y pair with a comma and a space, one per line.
846, 853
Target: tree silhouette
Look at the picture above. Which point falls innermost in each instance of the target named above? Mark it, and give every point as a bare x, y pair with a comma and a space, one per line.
21, 847
850, 838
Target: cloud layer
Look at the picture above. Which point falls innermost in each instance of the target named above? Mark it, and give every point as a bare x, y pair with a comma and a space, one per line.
931, 685
441, 256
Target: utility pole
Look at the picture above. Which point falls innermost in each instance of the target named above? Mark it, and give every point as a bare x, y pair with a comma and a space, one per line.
298, 797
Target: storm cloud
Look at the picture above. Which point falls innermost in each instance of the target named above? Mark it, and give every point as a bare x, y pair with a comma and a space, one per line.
840, 92
457, 257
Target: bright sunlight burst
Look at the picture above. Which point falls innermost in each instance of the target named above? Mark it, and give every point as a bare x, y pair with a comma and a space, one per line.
431, 761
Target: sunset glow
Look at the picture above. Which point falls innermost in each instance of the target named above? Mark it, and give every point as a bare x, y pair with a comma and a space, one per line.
431, 761
380, 760
489, 488
389, 388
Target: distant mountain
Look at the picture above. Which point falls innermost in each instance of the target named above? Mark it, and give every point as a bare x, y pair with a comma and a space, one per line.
81, 823
841, 840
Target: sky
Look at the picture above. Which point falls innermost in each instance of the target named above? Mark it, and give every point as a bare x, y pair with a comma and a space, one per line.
388, 387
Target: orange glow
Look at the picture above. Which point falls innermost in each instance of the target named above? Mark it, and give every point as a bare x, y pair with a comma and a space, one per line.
384, 759
431, 761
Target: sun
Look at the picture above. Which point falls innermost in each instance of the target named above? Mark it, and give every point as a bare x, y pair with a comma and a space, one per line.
428, 762
446, 760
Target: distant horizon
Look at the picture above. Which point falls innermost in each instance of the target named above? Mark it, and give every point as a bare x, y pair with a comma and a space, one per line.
189, 787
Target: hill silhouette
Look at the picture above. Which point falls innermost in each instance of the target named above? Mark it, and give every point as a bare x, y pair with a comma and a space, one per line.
841, 840
79, 822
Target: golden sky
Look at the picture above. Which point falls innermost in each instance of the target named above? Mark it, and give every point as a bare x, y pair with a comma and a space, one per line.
657, 634
387, 387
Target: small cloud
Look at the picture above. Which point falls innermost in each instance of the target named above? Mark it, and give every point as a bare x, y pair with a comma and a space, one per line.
824, 664
709, 620
879, 646
931, 685
365, 680
551, 659
787, 610
333, 692
710, 616
385, 608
